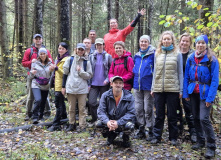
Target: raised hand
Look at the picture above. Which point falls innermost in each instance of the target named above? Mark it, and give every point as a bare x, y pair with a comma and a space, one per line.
142, 11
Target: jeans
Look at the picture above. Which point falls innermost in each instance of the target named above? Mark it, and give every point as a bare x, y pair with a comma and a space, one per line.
40, 97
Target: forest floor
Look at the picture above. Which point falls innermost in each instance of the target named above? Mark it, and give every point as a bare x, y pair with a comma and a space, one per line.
38, 143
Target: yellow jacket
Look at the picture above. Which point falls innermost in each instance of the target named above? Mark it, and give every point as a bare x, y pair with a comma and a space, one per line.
59, 75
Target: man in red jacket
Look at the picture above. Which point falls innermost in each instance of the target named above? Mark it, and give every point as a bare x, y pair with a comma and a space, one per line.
30, 56
115, 34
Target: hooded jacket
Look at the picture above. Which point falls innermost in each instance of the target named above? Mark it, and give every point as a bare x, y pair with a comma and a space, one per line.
42, 71
207, 76
124, 112
115, 35
143, 70
120, 70
77, 81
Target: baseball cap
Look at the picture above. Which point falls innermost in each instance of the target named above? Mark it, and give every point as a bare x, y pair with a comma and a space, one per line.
99, 41
37, 35
115, 78
81, 45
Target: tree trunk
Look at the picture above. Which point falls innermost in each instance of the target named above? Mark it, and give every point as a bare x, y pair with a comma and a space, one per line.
39, 18
92, 16
65, 21
150, 18
5, 59
70, 26
25, 24
109, 12
83, 21
58, 24
205, 4
182, 25
20, 30
116, 9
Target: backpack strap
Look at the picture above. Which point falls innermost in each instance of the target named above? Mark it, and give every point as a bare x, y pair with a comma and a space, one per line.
71, 61
31, 53
85, 65
125, 62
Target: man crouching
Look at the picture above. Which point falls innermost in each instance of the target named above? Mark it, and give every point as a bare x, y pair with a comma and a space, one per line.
116, 112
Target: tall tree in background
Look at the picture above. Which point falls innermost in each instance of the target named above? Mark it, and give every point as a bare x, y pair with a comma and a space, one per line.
117, 9
20, 30
150, 18
39, 17
64, 16
109, 12
58, 38
70, 26
25, 23
205, 4
5, 57
83, 19
182, 25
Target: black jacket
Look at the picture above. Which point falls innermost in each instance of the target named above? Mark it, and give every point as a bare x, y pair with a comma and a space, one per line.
124, 112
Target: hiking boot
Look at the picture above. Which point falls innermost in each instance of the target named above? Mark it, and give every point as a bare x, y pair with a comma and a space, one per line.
35, 121
27, 118
140, 135
54, 128
173, 142
71, 127
210, 152
193, 138
155, 141
126, 141
110, 138
197, 146
150, 138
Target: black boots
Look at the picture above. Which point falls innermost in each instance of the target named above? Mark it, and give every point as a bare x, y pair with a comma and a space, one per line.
71, 127
210, 152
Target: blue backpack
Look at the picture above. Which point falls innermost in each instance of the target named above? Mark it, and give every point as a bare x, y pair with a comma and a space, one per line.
84, 63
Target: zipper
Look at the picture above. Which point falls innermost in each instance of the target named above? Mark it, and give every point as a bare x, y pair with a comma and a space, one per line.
164, 69
139, 73
151, 69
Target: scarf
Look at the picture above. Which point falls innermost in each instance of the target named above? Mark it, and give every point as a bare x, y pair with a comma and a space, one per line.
199, 55
167, 48
143, 52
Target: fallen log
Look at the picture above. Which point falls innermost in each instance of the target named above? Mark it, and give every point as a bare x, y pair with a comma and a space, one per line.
29, 127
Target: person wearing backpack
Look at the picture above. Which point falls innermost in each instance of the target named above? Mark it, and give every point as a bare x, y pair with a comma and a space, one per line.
99, 83
201, 81
57, 78
40, 72
122, 65
30, 56
77, 72
143, 74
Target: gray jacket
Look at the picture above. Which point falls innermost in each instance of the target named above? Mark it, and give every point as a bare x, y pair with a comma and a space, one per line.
124, 112
42, 71
107, 60
77, 81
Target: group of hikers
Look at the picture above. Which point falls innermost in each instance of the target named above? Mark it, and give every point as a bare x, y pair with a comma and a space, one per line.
128, 87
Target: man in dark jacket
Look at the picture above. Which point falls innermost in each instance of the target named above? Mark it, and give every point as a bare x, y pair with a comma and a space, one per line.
116, 112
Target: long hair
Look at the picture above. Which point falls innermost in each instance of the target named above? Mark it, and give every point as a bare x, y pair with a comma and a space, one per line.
46, 60
210, 54
190, 38
160, 43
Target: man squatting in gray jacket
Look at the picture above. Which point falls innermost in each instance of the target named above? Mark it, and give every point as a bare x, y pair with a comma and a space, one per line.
116, 112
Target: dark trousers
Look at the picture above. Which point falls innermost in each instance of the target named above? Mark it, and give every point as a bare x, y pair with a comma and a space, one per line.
60, 108
171, 99
95, 91
188, 115
40, 97
204, 128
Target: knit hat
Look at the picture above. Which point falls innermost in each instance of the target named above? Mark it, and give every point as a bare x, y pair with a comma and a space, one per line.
81, 45
202, 37
145, 37
42, 50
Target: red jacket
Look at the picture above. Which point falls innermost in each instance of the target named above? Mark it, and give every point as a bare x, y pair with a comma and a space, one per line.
115, 35
26, 61
120, 70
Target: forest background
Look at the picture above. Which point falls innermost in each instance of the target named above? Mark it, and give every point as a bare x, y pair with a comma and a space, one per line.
70, 21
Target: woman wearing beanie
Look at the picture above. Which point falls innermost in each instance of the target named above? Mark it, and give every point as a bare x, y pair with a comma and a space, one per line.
201, 81
99, 83
143, 74
40, 72
77, 72
167, 86
61, 113
122, 65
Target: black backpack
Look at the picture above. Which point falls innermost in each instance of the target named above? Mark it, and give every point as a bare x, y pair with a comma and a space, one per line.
131, 81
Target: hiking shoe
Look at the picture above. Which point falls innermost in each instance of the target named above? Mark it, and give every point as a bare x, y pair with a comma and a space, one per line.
173, 142
27, 118
197, 146
155, 141
35, 121
54, 128
126, 141
110, 138
140, 135
209, 153
71, 127
193, 138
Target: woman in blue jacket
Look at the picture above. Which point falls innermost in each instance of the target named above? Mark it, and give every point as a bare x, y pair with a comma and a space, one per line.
200, 87
143, 74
